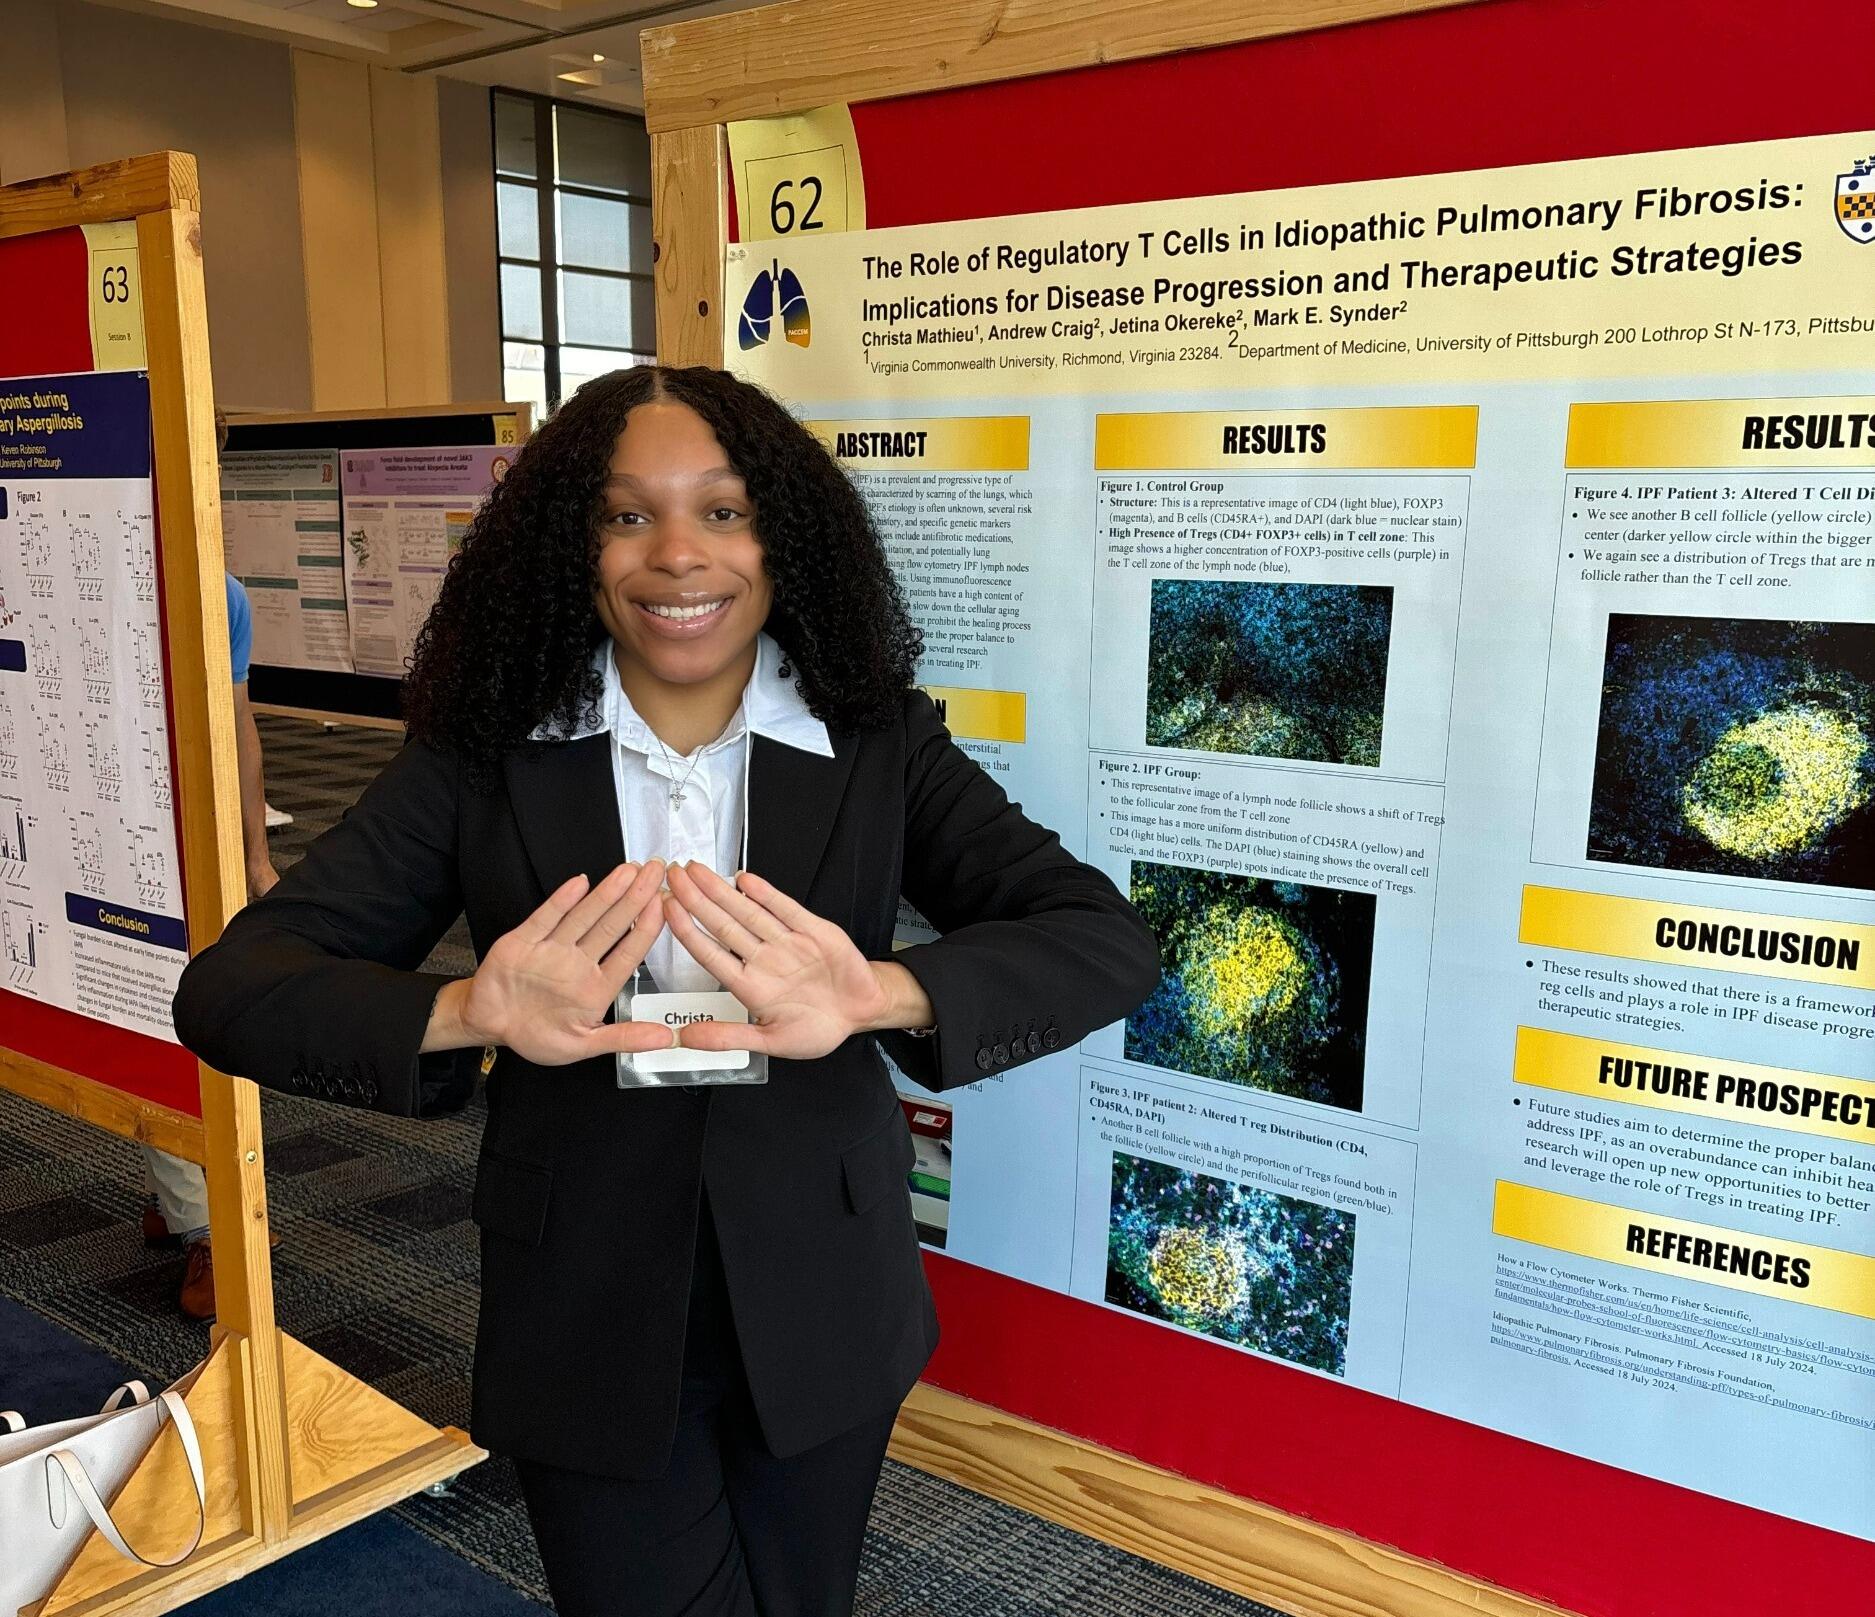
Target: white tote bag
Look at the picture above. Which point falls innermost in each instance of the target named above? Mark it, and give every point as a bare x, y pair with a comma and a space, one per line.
54, 1481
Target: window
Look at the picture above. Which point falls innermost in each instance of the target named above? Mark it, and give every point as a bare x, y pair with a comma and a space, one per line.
573, 231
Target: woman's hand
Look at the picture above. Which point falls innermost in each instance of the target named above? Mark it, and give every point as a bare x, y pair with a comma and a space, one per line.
804, 981
544, 989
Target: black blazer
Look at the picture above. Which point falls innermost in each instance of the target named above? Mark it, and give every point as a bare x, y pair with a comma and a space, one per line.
586, 1194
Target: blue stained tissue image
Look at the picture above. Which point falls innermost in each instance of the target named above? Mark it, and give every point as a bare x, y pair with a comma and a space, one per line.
1738, 747
1269, 670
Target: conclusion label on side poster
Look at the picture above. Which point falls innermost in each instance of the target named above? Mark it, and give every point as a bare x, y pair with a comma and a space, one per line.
90, 902
1446, 607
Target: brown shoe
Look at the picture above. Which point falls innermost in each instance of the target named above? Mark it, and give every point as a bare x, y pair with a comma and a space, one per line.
156, 1232
198, 1282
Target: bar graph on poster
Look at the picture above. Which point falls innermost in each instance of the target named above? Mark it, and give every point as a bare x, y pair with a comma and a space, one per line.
1446, 606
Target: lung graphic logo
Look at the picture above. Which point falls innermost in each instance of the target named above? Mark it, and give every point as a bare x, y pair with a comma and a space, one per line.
1855, 201
776, 291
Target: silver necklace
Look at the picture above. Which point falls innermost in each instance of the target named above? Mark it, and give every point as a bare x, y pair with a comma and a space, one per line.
678, 783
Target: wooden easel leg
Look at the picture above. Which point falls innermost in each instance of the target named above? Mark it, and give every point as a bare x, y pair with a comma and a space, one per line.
237, 1222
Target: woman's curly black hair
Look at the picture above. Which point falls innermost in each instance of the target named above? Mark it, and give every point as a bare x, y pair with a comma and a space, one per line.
509, 643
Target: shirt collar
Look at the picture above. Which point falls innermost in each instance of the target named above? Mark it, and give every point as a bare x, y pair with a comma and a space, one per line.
774, 707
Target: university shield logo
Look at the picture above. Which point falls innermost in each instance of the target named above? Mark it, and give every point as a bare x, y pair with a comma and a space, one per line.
775, 290
1855, 201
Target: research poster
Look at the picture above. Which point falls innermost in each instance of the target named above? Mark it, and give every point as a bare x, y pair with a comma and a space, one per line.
1446, 606
405, 514
280, 532
90, 902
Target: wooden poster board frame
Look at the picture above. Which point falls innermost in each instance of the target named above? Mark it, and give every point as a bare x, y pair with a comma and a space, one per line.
293, 1447
788, 58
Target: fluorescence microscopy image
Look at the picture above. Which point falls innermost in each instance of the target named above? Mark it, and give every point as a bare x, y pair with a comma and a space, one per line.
1737, 747
1263, 1271
1264, 983
1268, 670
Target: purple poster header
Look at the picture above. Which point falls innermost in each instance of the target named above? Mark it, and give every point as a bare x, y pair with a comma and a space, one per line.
443, 472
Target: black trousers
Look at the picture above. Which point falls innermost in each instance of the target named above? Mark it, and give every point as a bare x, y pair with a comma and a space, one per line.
728, 1530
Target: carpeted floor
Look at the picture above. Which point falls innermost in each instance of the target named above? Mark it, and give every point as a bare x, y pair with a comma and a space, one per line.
377, 1271
379, 1566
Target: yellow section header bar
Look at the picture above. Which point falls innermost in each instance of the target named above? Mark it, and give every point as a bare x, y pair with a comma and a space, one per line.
962, 443
1685, 433
1737, 1091
982, 715
1819, 1276
1440, 436
1840, 953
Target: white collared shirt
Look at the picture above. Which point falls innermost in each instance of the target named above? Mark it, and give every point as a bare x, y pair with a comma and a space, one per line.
707, 824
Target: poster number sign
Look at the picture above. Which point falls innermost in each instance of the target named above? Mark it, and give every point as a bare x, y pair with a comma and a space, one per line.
798, 193
115, 295
798, 175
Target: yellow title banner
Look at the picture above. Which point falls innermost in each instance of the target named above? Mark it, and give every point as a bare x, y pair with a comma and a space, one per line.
1443, 437
1840, 953
964, 443
1723, 433
1768, 1266
1737, 1091
1712, 261
982, 715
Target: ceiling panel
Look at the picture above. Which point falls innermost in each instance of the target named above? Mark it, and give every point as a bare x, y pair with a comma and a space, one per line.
546, 46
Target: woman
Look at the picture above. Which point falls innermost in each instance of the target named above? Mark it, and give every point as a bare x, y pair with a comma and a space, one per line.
701, 1306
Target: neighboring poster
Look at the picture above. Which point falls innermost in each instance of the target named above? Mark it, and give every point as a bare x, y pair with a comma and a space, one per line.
90, 903
405, 513
280, 536
930, 1178
1446, 607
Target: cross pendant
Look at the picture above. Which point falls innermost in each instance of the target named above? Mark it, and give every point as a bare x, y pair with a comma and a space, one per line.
677, 798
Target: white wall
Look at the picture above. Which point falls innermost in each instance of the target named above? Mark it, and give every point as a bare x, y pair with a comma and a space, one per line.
347, 211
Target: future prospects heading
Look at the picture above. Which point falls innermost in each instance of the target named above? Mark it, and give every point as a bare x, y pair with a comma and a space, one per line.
1653, 203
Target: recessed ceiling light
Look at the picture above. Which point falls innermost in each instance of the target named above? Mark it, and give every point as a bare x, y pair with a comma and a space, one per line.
363, 5
597, 57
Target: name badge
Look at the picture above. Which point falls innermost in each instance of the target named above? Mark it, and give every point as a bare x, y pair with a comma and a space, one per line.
677, 1011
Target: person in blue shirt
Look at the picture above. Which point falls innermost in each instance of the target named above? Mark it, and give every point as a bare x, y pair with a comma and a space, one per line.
260, 872
175, 1209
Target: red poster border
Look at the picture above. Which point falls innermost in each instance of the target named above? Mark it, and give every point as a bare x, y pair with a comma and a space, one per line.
1513, 82
47, 332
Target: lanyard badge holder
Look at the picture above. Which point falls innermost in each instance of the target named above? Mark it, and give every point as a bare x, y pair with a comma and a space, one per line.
678, 1068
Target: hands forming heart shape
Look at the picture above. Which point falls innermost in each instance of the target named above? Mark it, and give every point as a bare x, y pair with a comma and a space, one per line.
543, 990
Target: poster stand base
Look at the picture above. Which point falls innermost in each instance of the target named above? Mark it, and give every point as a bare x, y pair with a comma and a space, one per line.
350, 1452
323, 715
1230, 1542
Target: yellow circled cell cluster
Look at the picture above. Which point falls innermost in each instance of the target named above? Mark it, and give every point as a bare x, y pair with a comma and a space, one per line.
1198, 1274
1777, 783
1250, 965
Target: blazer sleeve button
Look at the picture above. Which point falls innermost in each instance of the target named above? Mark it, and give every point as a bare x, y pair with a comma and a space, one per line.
1051, 1040
1034, 1042
983, 1058
1000, 1055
